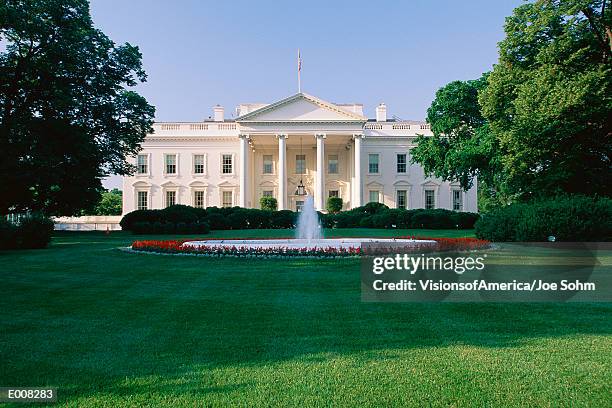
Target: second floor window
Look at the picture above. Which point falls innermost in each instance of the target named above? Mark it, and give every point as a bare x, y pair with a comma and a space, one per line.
401, 163
171, 164
373, 163
300, 164
430, 199
143, 164
267, 164
332, 165
198, 164
227, 166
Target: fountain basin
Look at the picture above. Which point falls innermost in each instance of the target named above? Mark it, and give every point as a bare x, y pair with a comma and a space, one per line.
335, 243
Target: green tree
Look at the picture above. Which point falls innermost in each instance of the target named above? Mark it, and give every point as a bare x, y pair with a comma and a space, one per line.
67, 118
463, 147
539, 123
334, 204
268, 203
549, 99
110, 203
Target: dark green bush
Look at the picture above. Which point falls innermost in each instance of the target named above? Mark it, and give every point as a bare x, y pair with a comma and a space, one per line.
567, 218
8, 233
334, 204
34, 232
371, 215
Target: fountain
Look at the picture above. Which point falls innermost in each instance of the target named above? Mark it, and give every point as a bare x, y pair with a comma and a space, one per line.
308, 235
308, 226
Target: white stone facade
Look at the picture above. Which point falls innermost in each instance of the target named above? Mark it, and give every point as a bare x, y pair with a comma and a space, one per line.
332, 148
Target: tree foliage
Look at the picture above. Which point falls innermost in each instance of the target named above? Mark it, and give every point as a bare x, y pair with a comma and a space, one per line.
539, 123
110, 203
549, 99
67, 118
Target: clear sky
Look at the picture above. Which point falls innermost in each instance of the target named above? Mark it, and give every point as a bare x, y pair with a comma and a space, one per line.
201, 53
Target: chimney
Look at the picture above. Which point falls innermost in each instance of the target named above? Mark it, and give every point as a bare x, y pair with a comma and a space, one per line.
218, 113
381, 113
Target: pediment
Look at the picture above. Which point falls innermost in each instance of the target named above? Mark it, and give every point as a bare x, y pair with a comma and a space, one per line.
301, 108
198, 183
402, 183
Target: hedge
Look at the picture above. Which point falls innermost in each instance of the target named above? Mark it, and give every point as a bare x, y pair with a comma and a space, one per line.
185, 219
32, 232
566, 218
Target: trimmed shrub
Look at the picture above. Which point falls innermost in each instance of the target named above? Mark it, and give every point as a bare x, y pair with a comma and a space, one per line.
334, 204
283, 219
8, 233
567, 218
34, 232
268, 203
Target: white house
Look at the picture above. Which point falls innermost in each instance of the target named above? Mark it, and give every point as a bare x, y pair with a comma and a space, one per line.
270, 148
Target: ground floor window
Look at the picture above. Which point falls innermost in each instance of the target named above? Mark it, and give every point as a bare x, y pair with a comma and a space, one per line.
299, 205
268, 193
401, 199
170, 198
430, 199
457, 200
143, 200
334, 193
198, 199
227, 199
374, 196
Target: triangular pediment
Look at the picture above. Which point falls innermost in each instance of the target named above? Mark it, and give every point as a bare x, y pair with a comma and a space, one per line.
301, 108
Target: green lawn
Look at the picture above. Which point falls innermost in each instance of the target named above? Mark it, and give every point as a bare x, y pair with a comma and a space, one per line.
110, 328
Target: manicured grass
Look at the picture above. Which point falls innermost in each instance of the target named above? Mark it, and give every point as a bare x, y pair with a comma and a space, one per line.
110, 328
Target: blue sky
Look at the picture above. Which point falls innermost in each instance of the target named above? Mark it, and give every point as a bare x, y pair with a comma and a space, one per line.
201, 53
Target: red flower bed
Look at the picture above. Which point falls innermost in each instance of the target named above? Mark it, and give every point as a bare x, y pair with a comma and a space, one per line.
177, 247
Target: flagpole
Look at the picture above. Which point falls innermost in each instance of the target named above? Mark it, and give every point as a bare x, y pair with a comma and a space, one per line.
299, 72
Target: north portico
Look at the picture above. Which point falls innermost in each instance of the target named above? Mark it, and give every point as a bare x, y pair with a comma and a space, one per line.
268, 149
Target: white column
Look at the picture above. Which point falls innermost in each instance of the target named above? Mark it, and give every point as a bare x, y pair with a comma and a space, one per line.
319, 195
244, 153
357, 193
282, 172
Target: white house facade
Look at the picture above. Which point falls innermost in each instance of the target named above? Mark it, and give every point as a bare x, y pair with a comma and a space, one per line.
270, 149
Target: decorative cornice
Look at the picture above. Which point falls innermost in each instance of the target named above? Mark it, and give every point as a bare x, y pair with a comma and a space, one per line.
310, 98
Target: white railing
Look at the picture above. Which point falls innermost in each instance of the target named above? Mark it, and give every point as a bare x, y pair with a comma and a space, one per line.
194, 126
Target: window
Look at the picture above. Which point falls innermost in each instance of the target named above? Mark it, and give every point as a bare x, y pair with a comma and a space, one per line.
300, 164
267, 164
332, 164
373, 163
268, 193
143, 164
171, 164
401, 199
334, 193
228, 199
198, 164
226, 164
401, 163
430, 199
374, 196
170, 198
299, 205
143, 200
457, 200
198, 199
